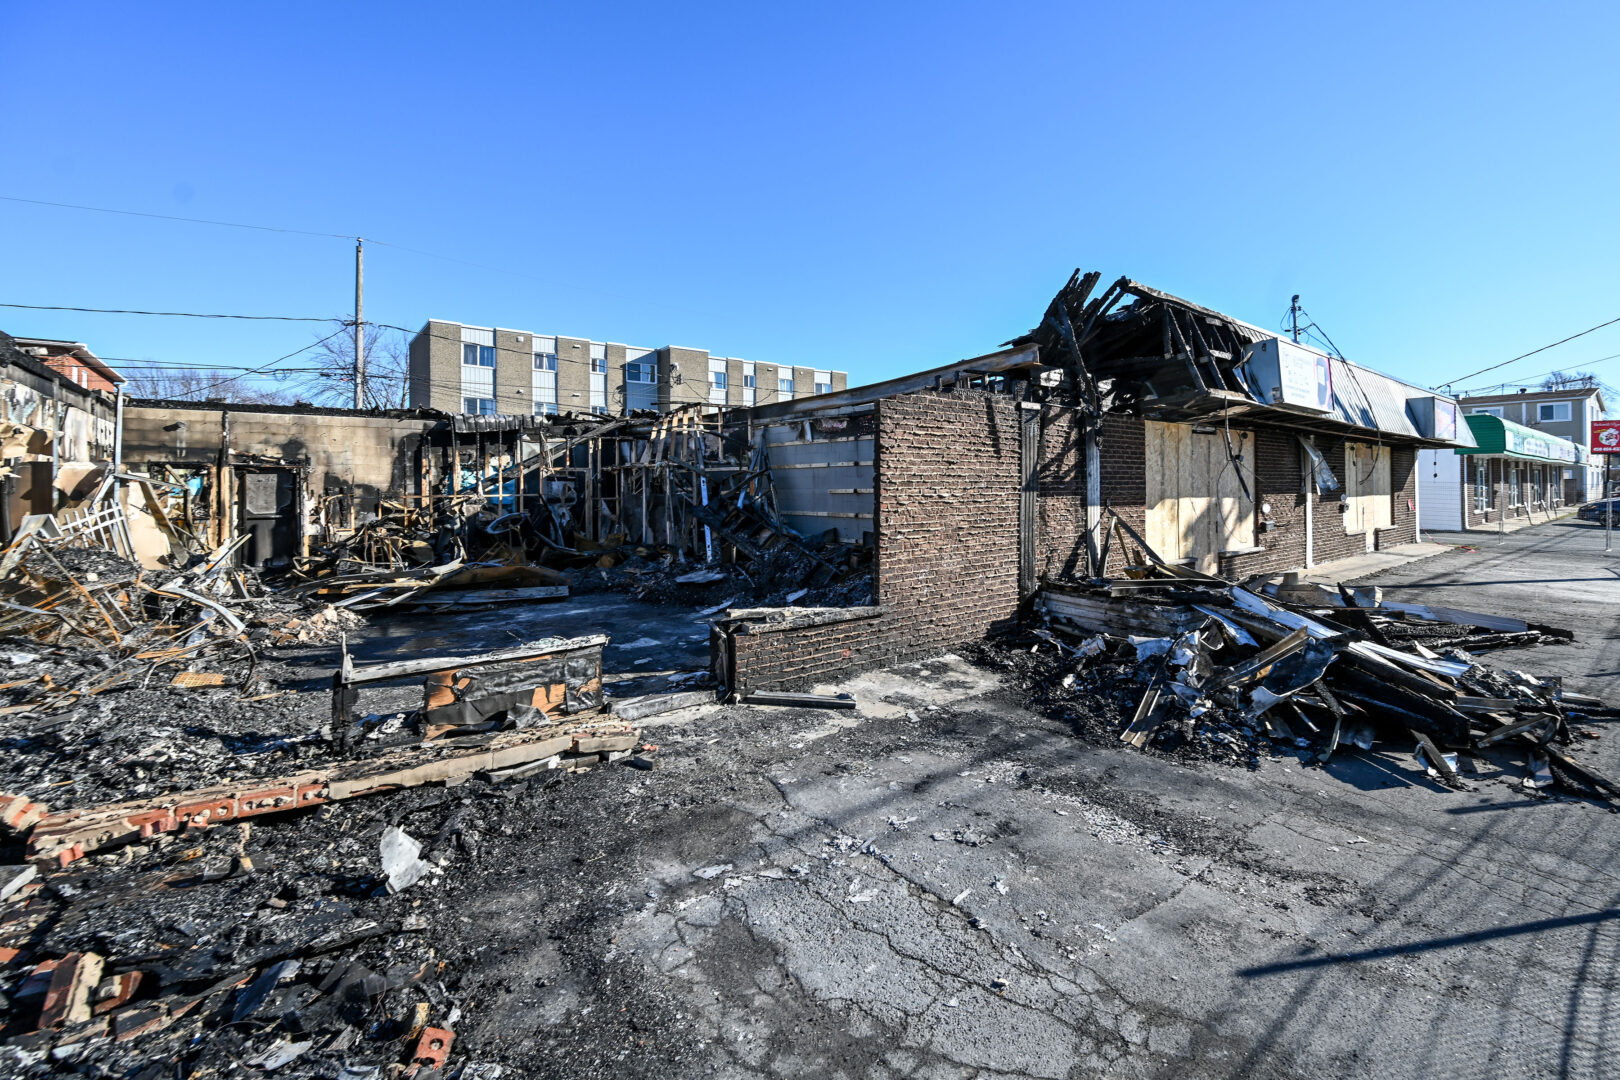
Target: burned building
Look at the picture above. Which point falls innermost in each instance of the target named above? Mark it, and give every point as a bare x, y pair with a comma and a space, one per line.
1128, 423
60, 409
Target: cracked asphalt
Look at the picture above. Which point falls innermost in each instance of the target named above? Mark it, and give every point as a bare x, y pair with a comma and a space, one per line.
945, 884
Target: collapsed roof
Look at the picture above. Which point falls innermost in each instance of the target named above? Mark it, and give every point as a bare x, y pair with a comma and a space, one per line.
1134, 349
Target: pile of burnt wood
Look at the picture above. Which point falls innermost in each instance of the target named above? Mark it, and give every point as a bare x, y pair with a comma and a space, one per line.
1314, 669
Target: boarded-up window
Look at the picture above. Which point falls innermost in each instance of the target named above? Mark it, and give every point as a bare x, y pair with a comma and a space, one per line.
1366, 487
1196, 507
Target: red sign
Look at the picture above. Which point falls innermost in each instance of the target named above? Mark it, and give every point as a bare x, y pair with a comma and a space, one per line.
1606, 436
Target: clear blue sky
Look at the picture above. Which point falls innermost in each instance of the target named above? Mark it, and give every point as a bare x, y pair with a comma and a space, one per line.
878, 188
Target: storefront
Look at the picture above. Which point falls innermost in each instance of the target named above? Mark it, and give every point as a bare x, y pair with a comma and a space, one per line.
1514, 473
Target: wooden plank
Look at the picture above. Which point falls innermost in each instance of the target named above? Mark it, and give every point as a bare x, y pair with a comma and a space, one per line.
423, 665
803, 701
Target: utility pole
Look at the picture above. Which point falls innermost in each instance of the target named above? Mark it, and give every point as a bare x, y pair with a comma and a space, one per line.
1608, 502
359, 324
1293, 315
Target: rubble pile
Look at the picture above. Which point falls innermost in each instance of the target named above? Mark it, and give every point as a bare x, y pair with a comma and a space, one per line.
325, 945
199, 870
1187, 664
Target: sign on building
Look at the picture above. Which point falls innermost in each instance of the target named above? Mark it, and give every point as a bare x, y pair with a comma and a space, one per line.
1606, 436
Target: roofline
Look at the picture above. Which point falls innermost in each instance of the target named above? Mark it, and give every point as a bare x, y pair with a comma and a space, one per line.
1132, 285
77, 349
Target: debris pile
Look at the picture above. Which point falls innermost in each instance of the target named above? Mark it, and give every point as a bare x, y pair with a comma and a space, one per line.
170, 925
1194, 665
667, 508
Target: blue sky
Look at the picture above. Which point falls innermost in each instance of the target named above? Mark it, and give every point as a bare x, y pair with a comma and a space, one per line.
878, 188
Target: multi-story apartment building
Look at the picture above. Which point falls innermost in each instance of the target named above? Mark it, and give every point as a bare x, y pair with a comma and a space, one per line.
459, 368
1566, 414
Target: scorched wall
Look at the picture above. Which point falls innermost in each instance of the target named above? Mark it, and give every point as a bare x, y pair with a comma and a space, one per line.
947, 479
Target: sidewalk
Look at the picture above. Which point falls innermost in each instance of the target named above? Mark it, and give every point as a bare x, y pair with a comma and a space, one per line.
1359, 566
1514, 526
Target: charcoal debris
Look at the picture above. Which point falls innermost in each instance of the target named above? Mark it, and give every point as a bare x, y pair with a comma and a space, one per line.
1237, 674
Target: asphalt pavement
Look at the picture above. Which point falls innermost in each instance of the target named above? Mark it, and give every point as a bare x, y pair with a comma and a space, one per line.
944, 884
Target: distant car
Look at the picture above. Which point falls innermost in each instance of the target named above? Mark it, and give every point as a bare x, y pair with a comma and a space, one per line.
1595, 511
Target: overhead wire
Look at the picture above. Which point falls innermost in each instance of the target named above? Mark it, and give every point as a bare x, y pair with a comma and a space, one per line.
176, 217
1532, 352
170, 314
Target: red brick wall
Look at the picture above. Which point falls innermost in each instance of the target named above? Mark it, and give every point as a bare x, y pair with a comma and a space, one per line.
947, 478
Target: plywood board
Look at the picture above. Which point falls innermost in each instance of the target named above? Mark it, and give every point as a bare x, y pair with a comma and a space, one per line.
1196, 506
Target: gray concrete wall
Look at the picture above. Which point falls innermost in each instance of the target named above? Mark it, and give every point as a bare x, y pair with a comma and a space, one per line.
436, 366
766, 375
734, 382
804, 382
574, 375
421, 379
374, 453
514, 363
693, 389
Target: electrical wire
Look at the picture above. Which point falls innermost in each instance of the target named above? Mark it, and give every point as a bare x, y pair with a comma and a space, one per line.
176, 217
172, 314
1532, 352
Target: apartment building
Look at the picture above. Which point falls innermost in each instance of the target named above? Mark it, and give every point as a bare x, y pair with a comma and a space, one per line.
1565, 414
458, 368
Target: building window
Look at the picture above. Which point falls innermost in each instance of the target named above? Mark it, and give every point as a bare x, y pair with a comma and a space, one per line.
1482, 486
545, 361
642, 371
784, 386
1515, 495
1553, 412
749, 382
823, 381
545, 408
598, 359
717, 379
823, 387
478, 406
1488, 410
599, 410
478, 355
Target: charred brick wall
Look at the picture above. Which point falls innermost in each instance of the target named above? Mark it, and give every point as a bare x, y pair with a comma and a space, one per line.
1122, 462
1278, 483
947, 478
1403, 500
1060, 480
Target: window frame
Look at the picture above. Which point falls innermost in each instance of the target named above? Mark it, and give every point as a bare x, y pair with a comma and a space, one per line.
719, 380
635, 369
784, 385
544, 361
1569, 412
473, 406
1485, 410
482, 355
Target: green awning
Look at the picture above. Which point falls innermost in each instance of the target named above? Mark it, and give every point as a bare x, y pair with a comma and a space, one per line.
1504, 438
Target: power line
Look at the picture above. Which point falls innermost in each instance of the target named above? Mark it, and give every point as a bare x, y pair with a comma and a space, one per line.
174, 217
1532, 352
173, 314
1527, 380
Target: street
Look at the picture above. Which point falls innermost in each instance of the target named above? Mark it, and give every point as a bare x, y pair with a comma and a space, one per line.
945, 884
